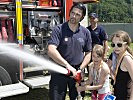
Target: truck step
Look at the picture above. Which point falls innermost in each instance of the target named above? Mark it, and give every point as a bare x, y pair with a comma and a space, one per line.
13, 89
38, 81
35, 68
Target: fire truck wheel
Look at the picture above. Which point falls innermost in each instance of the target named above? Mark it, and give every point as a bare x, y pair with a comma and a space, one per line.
4, 77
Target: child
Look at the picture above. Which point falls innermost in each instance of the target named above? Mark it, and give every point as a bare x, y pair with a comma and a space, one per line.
99, 72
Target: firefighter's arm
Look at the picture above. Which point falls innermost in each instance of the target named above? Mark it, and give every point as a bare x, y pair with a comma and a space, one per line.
55, 55
86, 60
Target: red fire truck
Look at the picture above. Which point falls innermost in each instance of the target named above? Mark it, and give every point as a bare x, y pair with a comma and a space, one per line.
27, 24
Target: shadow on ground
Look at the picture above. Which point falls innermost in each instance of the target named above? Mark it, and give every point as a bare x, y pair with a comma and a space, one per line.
39, 94
33, 94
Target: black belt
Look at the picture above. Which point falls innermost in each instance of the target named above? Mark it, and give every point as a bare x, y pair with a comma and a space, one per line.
76, 66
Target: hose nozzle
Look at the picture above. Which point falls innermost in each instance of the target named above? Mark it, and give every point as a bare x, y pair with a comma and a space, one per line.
78, 76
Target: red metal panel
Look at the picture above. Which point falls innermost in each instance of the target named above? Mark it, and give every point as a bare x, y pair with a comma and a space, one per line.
68, 7
45, 2
4, 31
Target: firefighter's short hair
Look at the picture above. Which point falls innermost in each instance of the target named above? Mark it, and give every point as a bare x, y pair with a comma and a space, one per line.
79, 6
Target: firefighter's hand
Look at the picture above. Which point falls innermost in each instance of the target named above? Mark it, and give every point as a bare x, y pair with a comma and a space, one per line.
82, 73
73, 70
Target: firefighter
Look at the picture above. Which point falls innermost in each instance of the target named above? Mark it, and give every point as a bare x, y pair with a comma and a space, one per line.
67, 46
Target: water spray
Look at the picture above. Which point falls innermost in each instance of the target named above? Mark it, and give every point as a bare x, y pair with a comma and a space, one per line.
46, 64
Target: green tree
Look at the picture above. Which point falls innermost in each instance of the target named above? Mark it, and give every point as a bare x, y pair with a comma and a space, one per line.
114, 11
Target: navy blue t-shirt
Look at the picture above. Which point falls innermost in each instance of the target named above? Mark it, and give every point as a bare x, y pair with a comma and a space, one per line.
98, 35
71, 45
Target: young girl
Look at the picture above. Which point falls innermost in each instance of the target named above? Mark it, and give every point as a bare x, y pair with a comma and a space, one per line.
99, 72
121, 66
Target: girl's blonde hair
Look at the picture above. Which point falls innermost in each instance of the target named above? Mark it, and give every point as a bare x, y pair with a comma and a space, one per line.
99, 50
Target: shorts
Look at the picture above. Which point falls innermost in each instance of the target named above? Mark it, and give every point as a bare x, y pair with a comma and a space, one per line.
96, 96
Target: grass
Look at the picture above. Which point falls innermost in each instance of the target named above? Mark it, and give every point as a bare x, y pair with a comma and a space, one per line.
87, 96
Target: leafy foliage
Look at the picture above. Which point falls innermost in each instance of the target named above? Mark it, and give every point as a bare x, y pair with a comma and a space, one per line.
113, 11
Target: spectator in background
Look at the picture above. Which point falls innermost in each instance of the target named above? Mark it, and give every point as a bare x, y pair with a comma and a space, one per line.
122, 66
67, 45
98, 34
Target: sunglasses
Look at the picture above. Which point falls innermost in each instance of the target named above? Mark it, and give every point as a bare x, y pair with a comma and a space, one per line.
117, 44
